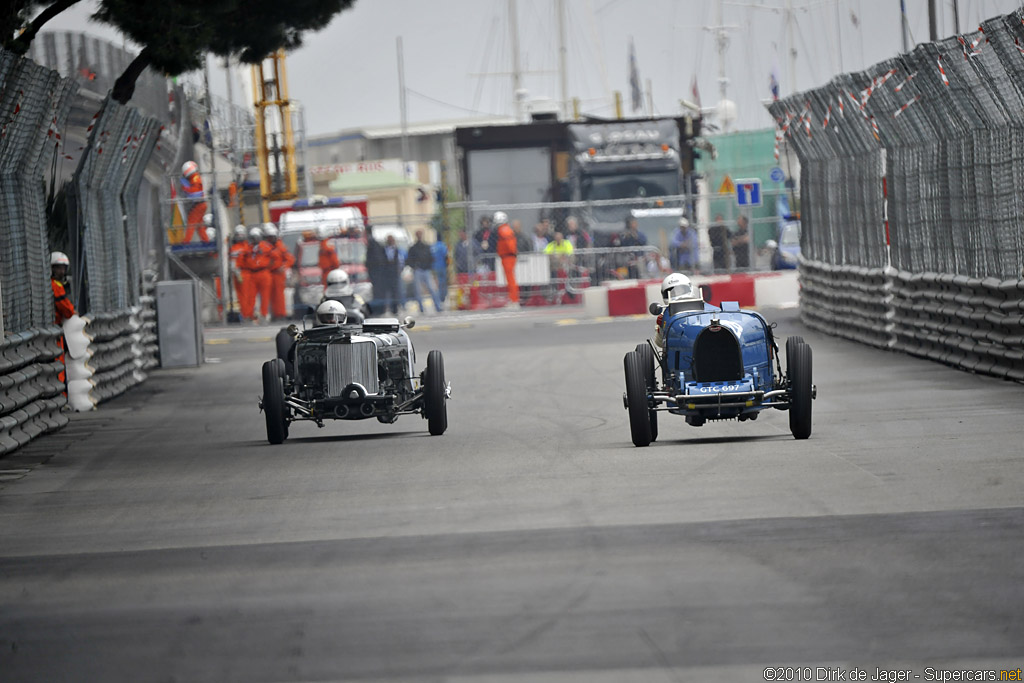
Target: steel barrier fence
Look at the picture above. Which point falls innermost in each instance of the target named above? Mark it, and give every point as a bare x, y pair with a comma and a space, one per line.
930, 141
36, 106
107, 182
658, 219
913, 224
34, 103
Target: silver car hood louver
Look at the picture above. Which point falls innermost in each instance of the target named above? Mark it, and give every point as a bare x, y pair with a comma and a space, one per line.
352, 363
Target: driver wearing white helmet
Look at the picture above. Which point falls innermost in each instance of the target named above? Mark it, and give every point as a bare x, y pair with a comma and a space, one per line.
676, 288
331, 312
339, 288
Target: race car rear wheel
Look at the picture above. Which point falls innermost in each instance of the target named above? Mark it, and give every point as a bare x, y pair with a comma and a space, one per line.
434, 399
273, 401
800, 387
647, 363
636, 400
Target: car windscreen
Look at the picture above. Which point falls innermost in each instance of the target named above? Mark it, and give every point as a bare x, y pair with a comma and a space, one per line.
310, 255
634, 185
790, 234
630, 186
350, 250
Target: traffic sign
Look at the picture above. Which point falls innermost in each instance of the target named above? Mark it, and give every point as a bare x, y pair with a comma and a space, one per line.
727, 186
748, 192
777, 175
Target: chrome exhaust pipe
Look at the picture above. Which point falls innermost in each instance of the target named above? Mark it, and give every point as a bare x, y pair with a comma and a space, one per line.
366, 409
341, 411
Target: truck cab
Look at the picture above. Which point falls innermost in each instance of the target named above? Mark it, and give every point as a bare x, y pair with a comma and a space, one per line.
623, 160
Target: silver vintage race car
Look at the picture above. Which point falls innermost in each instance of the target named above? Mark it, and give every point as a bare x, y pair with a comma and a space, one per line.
337, 370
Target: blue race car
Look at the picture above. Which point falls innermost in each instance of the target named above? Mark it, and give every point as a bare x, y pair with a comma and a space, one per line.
716, 364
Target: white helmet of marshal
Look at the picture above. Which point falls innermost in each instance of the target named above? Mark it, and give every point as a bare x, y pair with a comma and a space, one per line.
677, 287
500, 218
337, 277
255, 233
269, 230
239, 232
59, 258
331, 312
189, 168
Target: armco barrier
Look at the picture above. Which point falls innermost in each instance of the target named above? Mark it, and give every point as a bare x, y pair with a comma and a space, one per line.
30, 387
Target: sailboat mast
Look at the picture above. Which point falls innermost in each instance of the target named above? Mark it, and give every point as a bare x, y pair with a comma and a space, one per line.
517, 75
563, 79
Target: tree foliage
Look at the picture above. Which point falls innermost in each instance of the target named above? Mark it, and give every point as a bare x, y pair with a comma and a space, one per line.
175, 35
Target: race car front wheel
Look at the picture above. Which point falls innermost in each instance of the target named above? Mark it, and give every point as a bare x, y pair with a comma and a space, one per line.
647, 363
791, 343
800, 390
434, 394
273, 401
636, 400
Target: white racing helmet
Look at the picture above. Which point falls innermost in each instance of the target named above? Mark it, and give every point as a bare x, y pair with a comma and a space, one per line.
677, 287
270, 230
500, 218
331, 312
59, 258
337, 277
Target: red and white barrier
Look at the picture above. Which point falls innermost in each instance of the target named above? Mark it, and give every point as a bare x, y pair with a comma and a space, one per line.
777, 289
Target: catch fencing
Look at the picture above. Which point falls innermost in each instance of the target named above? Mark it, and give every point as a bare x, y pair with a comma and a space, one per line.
912, 220
34, 104
40, 111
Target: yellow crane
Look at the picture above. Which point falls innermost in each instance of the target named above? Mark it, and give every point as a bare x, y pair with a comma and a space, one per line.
273, 119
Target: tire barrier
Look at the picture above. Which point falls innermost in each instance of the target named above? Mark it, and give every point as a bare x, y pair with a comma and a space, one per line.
121, 350
847, 301
31, 395
975, 324
148, 350
972, 323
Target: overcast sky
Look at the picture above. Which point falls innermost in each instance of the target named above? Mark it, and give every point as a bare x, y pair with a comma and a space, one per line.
458, 53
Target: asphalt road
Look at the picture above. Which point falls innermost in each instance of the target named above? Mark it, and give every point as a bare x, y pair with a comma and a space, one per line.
161, 538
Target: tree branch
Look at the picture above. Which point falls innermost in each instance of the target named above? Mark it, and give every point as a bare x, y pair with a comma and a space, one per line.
20, 44
124, 86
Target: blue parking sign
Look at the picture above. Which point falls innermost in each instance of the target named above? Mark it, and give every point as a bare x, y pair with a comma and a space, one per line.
748, 192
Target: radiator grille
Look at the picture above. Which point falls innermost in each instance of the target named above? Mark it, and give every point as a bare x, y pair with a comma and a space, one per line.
348, 363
